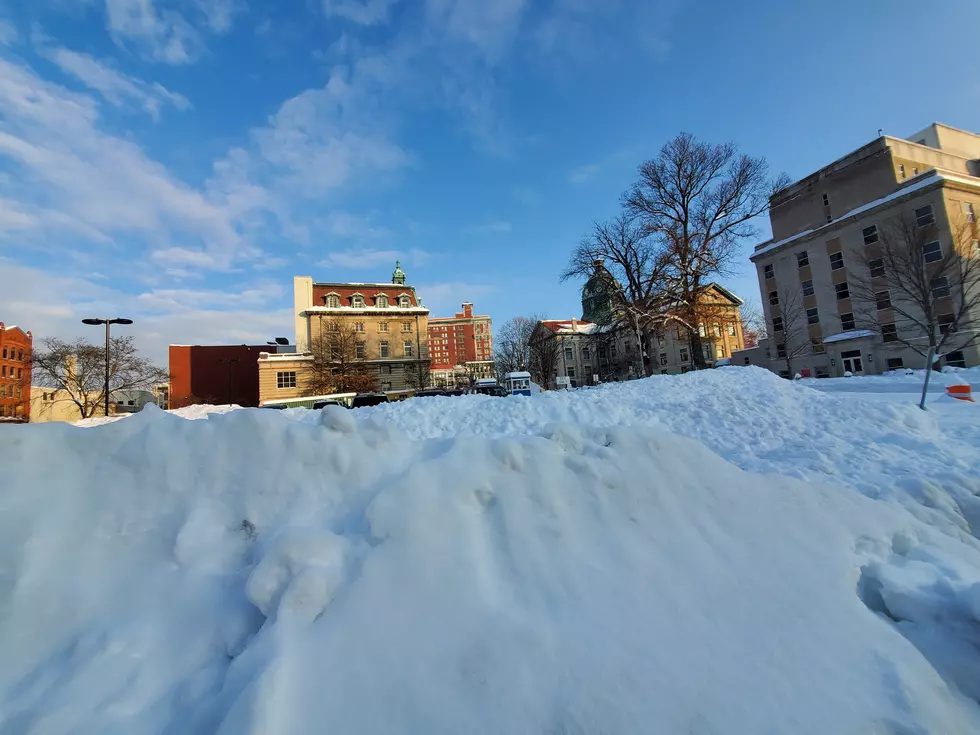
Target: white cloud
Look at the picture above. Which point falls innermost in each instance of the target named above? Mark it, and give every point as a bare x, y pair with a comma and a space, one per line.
160, 29
8, 33
583, 173
80, 178
367, 258
118, 88
361, 12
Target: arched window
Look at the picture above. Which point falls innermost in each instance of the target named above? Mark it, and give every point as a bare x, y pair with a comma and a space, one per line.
381, 301
404, 302
357, 301
331, 301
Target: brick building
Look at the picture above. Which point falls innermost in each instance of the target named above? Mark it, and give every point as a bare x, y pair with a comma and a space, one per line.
460, 347
214, 374
388, 317
15, 373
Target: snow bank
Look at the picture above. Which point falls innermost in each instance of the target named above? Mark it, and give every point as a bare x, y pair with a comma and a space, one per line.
255, 573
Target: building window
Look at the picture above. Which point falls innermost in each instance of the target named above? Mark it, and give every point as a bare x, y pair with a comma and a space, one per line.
826, 200
812, 317
802, 259
836, 261
773, 301
663, 358
570, 372
381, 301
359, 351
721, 352
3, 391
684, 356
883, 300
807, 288
4, 353
956, 359
333, 301
847, 322
877, 267
716, 330
843, 292
585, 353
406, 326
889, 333
870, 235
915, 171
829, 219
777, 324
816, 345
382, 326
405, 302
768, 272
781, 350
3, 371
968, 211
731, 329
940, 287
932, 251
702, 333
661, 339
384, 349
924, 216
357, 301
20, 356
408, 348
286, 379
901, 172
20, 373
894, 363
947, 323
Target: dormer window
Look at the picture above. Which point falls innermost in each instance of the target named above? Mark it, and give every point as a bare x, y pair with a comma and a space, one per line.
404, 301
381, 301
357, 301
332, 301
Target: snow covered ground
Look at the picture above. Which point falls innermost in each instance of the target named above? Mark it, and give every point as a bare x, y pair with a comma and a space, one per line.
721, 552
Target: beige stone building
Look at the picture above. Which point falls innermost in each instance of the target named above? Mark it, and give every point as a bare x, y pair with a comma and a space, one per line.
828, 233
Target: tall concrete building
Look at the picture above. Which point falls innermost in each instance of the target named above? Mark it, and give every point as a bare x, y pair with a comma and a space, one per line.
15, 374
460, 347
832, 232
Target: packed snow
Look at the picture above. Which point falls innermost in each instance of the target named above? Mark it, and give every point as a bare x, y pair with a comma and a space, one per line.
720, 552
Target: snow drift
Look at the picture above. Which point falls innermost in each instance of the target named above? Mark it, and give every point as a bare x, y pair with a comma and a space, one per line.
255, 573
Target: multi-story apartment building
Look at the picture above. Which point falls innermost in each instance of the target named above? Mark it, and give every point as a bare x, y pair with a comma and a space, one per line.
15, 373
830, 231
389, 317
460, 347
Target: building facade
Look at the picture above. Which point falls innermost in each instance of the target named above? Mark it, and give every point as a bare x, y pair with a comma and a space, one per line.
460, 348
53, 404
16, 347
389, 318
830, 231
217, 374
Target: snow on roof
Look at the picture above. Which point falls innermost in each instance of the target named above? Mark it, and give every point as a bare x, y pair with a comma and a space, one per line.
284, 356
853, 334
373, 309
928, 178
569, 326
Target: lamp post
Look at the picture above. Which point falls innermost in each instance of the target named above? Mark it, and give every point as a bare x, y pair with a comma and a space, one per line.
107, 322
228, 361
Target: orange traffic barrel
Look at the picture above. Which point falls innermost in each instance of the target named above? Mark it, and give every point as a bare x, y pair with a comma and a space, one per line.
961, 392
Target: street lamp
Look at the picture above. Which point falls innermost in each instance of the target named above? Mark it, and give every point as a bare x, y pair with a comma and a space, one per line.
107, 322
229, 361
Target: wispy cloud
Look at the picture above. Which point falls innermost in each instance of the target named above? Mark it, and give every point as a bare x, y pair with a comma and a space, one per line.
367, 258
116, 87
361, 12
445, 298
8, 33
584, 173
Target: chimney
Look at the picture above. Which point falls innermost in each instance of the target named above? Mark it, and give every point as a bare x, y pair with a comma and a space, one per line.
467, 309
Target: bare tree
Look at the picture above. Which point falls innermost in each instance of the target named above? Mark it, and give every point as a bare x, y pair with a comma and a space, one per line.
545, 351
338, 361
78, 368
754, 327
419, 374
697, 201
631, 278
918, 291
790, 335
512, 345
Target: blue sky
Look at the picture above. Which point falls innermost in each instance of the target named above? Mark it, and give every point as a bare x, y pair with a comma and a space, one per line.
179, 161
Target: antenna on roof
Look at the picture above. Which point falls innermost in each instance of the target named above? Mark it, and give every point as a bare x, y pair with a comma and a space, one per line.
880, 131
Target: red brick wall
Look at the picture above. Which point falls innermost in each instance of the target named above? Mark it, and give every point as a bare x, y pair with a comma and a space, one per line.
198, 376
15, 372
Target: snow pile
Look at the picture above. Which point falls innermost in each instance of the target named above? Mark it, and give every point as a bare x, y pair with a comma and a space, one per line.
201, 411
254, 573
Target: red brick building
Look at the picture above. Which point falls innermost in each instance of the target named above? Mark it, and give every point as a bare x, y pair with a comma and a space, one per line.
463, 340
217, 374
15, 373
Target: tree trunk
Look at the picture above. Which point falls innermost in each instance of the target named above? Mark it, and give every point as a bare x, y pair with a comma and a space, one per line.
697, 350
